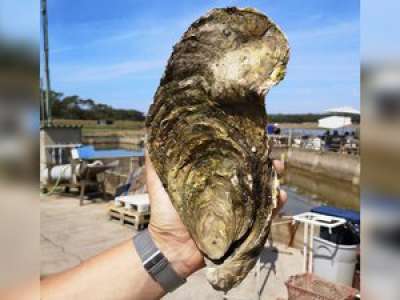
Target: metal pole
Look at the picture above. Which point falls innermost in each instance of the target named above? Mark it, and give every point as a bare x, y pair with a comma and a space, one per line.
46, 60
42, 104
310, 251
305, 247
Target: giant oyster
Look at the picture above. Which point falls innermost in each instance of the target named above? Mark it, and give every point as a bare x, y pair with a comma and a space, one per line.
207, 140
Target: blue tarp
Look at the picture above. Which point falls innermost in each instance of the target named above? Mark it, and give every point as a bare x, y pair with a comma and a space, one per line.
90, 153
349, 215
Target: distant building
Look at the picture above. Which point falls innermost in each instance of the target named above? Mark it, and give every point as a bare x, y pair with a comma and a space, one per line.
56, 142
105, 122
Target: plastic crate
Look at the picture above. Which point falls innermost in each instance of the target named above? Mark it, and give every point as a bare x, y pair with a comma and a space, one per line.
310, 287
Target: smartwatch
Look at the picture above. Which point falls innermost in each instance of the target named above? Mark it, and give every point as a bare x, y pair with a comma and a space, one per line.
155, 263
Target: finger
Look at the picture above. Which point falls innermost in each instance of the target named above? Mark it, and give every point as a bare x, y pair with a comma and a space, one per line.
282, 199
150, 171
279, 166
154, 186
152, 181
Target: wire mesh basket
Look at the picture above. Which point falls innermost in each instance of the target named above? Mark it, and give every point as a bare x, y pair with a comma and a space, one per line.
310, 287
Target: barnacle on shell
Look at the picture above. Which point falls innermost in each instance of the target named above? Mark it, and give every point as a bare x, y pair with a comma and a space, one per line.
207, 139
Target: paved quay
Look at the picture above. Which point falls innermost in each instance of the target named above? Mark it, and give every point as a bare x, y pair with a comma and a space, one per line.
71, 234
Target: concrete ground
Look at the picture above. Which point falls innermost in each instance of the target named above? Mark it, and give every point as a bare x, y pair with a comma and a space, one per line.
71, 234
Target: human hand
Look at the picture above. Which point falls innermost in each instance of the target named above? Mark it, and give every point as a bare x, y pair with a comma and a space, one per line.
279, 166
168, 231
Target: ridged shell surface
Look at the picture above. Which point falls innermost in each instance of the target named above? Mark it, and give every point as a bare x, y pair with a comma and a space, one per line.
207, 136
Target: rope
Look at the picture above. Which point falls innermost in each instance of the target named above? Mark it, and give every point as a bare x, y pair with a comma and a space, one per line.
282, 223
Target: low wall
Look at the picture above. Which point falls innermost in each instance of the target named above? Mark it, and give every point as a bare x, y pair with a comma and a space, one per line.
131, 141
335, 165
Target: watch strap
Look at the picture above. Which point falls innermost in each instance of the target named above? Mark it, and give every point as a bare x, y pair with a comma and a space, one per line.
155, 263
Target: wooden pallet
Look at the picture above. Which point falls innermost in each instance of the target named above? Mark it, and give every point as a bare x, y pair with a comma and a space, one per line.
129, 216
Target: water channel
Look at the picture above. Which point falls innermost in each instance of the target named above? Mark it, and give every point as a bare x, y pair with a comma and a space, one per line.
306, 190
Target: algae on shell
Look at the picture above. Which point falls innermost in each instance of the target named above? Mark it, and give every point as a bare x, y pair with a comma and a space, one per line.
207, 137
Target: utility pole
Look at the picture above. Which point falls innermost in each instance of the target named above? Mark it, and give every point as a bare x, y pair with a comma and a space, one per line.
42, 103
46, 62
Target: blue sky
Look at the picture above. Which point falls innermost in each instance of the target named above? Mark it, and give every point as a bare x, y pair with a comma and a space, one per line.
115, 51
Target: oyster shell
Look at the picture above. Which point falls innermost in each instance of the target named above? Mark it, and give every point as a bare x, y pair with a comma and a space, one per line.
207, 140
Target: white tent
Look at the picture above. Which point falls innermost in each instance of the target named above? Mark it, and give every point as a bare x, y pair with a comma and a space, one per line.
334, 122
343, 110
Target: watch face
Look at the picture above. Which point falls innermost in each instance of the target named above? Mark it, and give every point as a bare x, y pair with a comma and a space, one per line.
153, 260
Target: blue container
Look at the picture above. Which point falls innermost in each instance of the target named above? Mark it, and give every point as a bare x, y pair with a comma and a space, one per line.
271, 128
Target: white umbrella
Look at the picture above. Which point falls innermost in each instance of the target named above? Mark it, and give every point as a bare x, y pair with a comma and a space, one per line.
334, 122
343, 110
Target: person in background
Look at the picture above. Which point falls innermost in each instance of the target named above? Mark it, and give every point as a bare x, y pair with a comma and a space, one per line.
327, 138
277, 130
335, 142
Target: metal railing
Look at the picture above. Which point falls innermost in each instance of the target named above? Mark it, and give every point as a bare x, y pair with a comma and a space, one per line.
59, 154
338, 144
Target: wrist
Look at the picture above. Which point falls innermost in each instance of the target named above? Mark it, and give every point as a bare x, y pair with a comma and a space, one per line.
181, 252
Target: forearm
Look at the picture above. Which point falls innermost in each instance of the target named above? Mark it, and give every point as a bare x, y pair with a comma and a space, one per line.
29, 290
116, 274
